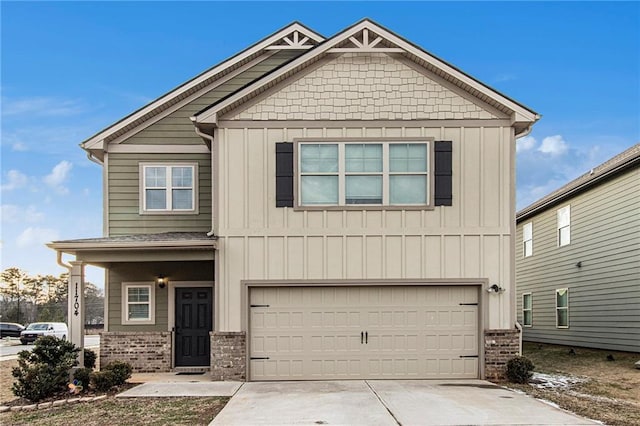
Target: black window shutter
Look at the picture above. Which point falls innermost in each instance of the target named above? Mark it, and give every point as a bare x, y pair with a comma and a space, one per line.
284, 174
442, 173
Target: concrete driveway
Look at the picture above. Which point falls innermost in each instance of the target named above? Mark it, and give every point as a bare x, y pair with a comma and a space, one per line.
387, 402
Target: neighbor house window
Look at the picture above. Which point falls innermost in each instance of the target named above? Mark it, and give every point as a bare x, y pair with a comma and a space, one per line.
527, 239
564, 226
527, 313
562, 308
363, 173
138, 303
168, 188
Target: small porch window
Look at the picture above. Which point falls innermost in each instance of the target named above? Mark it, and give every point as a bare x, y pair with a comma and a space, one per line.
562, 308
138, 303
527, 312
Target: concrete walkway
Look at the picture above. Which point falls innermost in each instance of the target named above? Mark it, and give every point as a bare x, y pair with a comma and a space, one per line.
172, 384
388, 402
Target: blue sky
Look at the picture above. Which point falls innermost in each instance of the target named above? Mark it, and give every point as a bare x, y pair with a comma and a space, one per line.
70, 69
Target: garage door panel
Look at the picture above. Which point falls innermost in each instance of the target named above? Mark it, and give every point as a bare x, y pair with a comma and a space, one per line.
411, 332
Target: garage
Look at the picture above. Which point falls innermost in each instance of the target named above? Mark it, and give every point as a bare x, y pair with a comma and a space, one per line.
363, 332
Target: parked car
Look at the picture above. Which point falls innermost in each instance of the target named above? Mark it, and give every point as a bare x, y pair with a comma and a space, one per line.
10, 329
37, 329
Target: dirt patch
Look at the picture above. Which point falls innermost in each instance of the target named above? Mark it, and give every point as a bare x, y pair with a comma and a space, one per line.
6, 380
597, 384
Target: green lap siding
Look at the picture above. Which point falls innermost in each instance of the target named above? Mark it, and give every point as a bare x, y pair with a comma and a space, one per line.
604, 293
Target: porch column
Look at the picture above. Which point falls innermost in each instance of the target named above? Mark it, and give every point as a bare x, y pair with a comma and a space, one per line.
76, 312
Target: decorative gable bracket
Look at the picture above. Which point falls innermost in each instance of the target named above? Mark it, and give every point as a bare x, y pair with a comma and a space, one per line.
366, 41
294, 40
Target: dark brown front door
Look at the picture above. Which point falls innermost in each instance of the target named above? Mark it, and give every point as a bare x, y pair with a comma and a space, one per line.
193, 324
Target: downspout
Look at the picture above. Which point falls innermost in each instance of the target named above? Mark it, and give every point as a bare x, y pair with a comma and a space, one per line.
60, 262
210, 138
93, 158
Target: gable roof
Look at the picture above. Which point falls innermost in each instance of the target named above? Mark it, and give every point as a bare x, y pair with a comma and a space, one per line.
368, 36
294, 36
608, 169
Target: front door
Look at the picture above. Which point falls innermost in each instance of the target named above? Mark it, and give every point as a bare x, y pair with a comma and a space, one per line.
193, 324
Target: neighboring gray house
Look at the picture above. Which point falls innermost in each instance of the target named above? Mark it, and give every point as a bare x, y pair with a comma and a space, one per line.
578, 260
312, 208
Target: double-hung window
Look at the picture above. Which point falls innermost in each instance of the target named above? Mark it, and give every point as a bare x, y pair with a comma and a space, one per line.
527, 239
527, 312
168, 188
138, 303
384, 173
564, 226
562, 308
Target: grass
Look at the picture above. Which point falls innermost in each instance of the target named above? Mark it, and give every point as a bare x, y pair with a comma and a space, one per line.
111, 411
611, 392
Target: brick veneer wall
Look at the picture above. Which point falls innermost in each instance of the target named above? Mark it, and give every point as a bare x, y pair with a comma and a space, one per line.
228, 355
499, 347
147, 352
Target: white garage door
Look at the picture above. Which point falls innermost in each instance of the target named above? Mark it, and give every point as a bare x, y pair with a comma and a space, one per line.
412, 332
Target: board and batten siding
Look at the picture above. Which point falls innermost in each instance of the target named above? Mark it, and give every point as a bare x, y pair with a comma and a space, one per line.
177, 128
604, 293
124, 216
147, 272
471, 239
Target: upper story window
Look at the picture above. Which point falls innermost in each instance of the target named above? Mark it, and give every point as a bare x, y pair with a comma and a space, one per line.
168, 188
527, 239
363, 173
138, 303
564, 226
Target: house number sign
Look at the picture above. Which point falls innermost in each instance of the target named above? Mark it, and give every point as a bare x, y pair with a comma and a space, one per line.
76, 305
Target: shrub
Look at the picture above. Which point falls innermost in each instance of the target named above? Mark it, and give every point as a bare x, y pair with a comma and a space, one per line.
90, 359
519, 369
103, 380
121, 371
83, 375
45, 370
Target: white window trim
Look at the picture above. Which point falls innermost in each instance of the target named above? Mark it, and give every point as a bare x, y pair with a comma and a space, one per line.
125, 303
526, 240
168, 188
564, 307
524, 309
567, 226
341, 173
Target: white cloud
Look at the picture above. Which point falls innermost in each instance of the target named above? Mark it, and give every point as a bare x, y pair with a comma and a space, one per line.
525, 143
36, 237
15, 180
41, 106
59, 176
553, 145
15, 214
19, 146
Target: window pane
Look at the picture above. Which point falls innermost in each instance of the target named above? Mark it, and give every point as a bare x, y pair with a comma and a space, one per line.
363, 189
319, 189
155, 177
182, 199
527, 231
321, 158
407, 189
408, 157
182, 177
139, 311
564, 216
156, 199
564, 236
562, 298
363, 157
526, 301
138, 294
563, 317
527, 317
528, 248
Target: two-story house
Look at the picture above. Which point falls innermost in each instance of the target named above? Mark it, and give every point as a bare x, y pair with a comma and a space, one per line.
578, 264
312, 208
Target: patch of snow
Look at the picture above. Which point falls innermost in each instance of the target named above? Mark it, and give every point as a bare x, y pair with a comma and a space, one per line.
554, 381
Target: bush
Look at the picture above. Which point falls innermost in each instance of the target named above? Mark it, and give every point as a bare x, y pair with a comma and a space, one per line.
121, 371
102, 381
113, 374
90, 359
519, 369
44, 371
83, 375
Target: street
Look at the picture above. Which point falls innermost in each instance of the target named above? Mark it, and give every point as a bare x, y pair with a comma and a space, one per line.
11, 346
